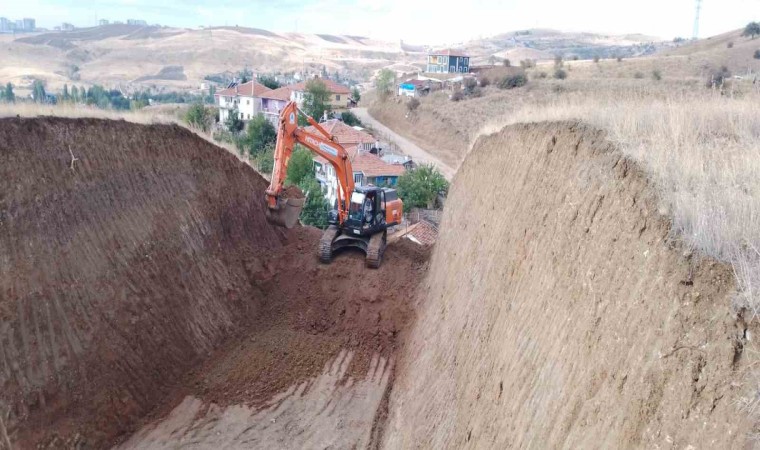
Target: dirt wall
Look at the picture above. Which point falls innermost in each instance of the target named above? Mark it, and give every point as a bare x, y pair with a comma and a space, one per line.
125, 257
557, 313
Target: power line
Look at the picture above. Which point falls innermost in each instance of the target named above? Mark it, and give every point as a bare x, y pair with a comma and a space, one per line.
695, 32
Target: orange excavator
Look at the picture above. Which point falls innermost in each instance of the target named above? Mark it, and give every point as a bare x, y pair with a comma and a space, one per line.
363, 213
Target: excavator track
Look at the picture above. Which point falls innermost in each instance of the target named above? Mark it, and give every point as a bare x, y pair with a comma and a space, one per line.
325, 243
375, 249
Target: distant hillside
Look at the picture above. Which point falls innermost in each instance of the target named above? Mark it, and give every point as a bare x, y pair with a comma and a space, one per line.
129, 56
545, 44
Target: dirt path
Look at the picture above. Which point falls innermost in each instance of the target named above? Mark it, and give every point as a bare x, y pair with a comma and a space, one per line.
333, 410
410, 148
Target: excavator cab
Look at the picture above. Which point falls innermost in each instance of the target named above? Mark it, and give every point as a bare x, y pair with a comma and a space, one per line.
366, 212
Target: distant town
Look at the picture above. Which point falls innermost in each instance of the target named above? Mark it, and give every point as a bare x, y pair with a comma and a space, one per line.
29, 25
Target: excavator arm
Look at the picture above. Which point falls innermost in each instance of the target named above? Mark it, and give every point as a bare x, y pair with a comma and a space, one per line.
285, 211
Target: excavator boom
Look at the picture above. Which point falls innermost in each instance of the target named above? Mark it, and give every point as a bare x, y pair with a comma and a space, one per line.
285, 211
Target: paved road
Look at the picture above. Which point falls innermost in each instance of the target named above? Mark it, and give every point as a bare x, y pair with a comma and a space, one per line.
407, 146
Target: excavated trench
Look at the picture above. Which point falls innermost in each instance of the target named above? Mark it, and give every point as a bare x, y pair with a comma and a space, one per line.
146, 303
139, 274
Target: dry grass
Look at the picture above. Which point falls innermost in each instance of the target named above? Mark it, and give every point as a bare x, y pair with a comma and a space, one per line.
703, 151
144, 116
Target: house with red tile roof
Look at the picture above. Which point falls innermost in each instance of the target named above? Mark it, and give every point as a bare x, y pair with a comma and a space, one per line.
339, 94
368, 168
244, 98
274, 101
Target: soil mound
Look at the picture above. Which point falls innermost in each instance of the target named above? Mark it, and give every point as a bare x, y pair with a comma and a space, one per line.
558, 314
134, 259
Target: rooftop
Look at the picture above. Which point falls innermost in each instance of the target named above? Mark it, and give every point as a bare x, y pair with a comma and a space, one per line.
282, 93
449, 52
344, 134
334, 87
249, 89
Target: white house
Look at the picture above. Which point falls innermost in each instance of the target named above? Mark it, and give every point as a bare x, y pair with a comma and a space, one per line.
368, 168
246, 98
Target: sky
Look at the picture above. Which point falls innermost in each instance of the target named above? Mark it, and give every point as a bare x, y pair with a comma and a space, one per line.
414, 21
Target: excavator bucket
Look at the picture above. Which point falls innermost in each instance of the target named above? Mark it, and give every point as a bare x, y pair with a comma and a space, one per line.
286, 213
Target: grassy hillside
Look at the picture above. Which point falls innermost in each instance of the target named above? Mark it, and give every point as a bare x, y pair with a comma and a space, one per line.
129, 56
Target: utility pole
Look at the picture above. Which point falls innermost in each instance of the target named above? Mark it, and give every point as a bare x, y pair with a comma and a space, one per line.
695, 33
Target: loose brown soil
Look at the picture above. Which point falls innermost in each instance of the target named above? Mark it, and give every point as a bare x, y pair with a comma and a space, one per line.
291, 192
136, 266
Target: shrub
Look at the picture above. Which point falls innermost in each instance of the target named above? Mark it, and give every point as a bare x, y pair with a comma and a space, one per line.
575, 58
527, 63
718, 77
507, 63
350, 118
198, 116
596, 59
541, 75
656, 75
558, 62
455, 97
420, 187
638, 75
560, 74
730, 45
513, 81
469, 85
757, 54
619, 59
485, 82
412, 104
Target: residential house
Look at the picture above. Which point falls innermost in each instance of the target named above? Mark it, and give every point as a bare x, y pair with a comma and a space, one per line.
274, 101
414, 88
448, 61
339, 94
368, 168
246, 98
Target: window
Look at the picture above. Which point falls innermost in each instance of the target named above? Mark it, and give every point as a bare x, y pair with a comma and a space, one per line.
249, 116
337, 98
242, 116
358, 179
247, 102
441, 60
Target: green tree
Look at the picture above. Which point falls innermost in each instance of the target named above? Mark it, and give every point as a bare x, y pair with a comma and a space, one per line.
38, 91
420, 187
384, 83
269, 82
211, 92
350, 119
8, 95
355, 94
316, 208
316, 99
199, 116
265, 159
752, 29
260, 134
65, 94
234, 123
300, 166
74, 94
